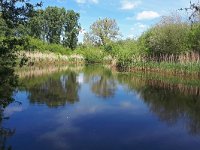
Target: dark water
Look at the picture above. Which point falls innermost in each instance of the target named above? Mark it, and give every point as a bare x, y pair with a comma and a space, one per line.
96, 109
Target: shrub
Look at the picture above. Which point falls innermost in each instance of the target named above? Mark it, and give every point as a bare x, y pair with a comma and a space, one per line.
169, 36
194, 37
36, 44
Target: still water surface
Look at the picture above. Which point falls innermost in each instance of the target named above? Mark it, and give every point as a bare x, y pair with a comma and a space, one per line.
96, 109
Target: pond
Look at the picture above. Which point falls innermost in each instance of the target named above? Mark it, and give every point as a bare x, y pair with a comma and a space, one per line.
94, 108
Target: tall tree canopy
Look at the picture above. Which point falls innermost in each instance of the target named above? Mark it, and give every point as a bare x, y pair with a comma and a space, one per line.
72, 28
16, 12
56, 25
102, 32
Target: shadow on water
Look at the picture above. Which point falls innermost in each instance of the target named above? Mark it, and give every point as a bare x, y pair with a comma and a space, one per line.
8, 83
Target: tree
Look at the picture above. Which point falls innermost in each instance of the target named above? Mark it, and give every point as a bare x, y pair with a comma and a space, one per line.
48, 24
194, 10
37, 25
194, 17
16, 12
103, 31
55, 18
13, 14
56, 25
72, 28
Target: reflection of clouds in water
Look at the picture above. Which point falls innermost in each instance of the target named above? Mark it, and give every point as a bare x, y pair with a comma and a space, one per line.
66, 118
63, 80
65, 127
57, 137
12, 108
80, 78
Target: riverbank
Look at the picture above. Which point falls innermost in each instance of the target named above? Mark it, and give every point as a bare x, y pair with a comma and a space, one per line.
184, 65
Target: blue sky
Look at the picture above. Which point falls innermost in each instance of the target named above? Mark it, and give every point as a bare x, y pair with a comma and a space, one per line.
133, 16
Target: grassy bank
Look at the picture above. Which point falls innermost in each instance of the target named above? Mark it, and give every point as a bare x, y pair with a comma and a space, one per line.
184, 64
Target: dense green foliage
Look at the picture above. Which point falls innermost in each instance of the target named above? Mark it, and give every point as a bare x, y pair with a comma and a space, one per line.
169, 36
56, 25
38, 45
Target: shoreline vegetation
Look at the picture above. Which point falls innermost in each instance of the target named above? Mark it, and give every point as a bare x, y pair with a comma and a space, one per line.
185, 64
50, 36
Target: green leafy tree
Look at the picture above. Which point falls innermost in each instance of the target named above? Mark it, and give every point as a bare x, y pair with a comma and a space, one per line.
54, 18
13, 16
56, 25
72, 28
38, 25
103, 31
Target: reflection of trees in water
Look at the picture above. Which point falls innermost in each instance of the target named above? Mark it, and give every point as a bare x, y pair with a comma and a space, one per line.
4, 135
170, 102
54, 91
172, 105
103, 87
101, 80
8, 83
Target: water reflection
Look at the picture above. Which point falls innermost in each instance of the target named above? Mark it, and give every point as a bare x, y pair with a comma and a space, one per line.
142, 111
8, 83
101, 80
170, 102
54, 90
172, 105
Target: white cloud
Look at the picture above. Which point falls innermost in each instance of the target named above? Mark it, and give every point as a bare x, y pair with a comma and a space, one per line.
147, 15
87, 1
129, 4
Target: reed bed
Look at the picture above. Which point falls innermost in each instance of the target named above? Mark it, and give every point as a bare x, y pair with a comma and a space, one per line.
41, 58
179, 64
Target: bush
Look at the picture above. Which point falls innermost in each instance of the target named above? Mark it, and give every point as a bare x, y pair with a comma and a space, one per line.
36, 44
194, 37
91, 54
169, 36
